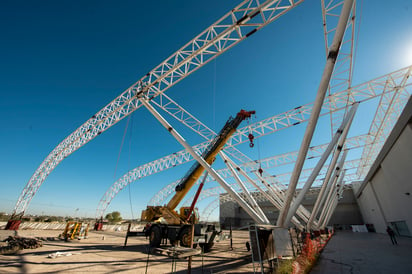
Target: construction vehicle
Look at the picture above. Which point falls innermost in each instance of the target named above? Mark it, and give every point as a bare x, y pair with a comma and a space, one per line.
164, 222
75, 229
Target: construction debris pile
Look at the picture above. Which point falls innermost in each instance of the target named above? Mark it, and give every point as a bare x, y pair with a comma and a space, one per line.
16, 243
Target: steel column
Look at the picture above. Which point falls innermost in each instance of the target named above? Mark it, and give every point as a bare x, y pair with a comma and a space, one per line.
320, 164
328, 202
333, 180
327, 73
275, 199
201, 161
249, 197
332, 165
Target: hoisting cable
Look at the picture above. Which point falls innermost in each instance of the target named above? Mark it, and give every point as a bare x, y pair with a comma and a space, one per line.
214, 95
260, 170
250, 136
121, 146
130, 150
120, 152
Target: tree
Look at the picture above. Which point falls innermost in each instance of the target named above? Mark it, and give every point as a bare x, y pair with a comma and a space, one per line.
114, 217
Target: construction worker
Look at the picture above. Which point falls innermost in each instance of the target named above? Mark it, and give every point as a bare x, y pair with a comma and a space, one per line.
391, 234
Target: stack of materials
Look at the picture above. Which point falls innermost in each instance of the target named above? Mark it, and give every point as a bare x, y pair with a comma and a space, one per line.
15, 243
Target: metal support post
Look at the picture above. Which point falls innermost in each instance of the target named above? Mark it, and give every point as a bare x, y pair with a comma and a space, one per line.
323, 86
332, 181
330, 211
326, 210
335, 189
329, 199
320, 164
249, 197
332, 165
276, 202
202, 162
275, 199
301, 212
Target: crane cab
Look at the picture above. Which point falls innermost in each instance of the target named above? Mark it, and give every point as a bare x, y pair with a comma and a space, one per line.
194, 216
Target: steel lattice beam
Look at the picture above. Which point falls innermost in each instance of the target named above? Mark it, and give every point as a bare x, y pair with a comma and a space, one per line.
388, 111
238, 24
267, 163
218, 198
209, 209
335, 102
342, 74
215, 191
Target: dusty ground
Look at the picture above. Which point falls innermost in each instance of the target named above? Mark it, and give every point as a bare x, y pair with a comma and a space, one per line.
103, 252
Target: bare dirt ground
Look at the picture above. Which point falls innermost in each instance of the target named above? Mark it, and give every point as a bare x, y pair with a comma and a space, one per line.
103, 252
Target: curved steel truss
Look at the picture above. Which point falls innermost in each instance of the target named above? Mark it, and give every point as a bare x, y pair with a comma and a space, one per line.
387, 85
238, 24
393, 90
283, 159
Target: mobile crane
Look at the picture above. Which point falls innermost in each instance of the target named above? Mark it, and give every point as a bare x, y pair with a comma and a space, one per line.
165, 223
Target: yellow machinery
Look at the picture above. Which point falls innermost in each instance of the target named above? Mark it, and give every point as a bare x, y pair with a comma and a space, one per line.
75, 229
164, 222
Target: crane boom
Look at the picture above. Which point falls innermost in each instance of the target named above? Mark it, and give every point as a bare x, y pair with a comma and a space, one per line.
154, 213
209, 155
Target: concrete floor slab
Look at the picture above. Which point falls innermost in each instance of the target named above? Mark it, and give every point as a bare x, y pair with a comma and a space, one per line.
354, 252
103, 252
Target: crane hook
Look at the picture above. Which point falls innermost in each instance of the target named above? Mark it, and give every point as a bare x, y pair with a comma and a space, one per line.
251, 137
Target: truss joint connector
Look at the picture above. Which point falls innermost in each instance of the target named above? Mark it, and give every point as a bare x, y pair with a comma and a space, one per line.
333, 55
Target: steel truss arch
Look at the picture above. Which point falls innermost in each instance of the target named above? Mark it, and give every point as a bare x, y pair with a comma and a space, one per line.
209, 209
157, 166
219, 198
261, 198
372, 89
386, 115
270, 162
238, 24
341, 78
216, 191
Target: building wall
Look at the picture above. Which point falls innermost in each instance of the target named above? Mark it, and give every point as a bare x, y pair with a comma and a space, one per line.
346, 213
387, 196
370, 209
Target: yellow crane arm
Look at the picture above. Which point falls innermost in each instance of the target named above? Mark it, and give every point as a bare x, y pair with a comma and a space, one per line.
209, 155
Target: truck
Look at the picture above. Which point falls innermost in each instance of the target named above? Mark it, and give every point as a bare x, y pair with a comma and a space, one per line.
165, 223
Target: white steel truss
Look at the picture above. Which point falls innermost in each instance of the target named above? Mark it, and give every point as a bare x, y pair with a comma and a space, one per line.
387, 84
342, 74
235, 26
333, 53
283, 178
209, 209
177, 159
238, 24
279, 180
391, 106
351, 166
220, 197
179, 113
253, 212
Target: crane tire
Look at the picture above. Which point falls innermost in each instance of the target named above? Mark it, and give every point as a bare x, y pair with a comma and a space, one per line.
184, 236
155, 236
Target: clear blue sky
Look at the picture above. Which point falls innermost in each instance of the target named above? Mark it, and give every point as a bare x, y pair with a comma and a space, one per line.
62, 61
